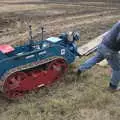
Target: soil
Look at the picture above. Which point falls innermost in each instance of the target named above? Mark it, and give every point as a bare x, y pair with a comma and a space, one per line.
69, 99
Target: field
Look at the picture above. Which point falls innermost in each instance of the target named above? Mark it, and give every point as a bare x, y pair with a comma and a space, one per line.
73, 97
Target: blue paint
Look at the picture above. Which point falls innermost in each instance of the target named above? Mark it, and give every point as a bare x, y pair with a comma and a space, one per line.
38, 51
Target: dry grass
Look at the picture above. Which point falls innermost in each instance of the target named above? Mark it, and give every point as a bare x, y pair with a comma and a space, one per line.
72, 97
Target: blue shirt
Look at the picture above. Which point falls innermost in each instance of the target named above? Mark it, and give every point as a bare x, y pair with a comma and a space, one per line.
112, 38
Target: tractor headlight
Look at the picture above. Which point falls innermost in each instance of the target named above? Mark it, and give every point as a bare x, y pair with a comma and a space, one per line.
73, 36
76, 36
45, 45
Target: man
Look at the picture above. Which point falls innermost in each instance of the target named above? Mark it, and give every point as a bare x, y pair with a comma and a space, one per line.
108, 49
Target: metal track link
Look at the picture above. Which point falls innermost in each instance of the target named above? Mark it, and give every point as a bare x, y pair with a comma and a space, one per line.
24, 67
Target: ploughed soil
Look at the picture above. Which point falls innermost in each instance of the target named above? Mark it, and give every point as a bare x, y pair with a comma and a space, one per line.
72, 97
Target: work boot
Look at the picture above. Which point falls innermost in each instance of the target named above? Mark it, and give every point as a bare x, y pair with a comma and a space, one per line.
113, 88
118, 88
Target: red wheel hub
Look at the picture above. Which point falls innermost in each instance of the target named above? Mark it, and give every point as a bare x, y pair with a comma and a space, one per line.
12, 85
19, 82
56, 69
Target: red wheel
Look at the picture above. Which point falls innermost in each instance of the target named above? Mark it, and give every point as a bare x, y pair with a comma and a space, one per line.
12, 87
17, 83
58, 66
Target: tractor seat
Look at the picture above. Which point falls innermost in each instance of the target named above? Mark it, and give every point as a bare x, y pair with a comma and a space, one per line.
6, 48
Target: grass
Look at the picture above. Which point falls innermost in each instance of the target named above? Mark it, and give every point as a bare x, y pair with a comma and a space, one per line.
73, 97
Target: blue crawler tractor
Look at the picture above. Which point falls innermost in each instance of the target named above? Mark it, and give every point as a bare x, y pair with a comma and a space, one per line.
35, 64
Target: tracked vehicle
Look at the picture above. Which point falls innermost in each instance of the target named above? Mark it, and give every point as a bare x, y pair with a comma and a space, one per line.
35, 64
